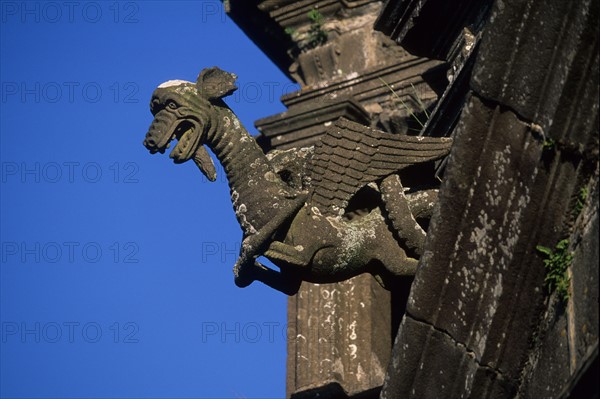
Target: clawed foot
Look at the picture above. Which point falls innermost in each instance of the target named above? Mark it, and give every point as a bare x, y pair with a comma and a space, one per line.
281, 281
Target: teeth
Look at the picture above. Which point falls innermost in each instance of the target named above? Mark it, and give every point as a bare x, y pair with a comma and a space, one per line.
169, 145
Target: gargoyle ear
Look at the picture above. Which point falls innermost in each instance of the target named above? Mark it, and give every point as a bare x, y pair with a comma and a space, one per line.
215, 83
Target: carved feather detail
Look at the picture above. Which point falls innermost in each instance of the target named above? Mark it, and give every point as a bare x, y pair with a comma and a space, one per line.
351, 155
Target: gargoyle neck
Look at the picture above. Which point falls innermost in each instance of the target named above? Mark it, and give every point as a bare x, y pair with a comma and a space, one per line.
256, 190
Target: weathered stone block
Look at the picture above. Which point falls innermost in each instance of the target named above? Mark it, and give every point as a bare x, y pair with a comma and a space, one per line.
438, 363
546, 56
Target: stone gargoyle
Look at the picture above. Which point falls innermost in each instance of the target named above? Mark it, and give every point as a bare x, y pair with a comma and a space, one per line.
321, 214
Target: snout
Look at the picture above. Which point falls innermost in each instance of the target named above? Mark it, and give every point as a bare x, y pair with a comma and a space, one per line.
159, 132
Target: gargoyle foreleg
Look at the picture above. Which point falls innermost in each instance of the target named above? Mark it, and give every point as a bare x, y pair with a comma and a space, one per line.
255, 245
287, 253
410, 234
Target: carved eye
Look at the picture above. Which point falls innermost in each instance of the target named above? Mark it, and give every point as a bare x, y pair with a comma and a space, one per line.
172, 104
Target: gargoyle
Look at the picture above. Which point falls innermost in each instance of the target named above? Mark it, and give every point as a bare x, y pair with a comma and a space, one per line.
321, 214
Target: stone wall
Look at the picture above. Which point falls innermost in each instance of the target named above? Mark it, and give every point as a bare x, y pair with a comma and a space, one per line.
480, 321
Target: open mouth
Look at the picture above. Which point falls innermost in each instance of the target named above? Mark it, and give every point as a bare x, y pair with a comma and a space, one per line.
187, 132
184, 131
186, 136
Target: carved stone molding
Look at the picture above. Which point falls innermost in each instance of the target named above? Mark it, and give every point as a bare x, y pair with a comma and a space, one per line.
302, 126
381, 84
292, 14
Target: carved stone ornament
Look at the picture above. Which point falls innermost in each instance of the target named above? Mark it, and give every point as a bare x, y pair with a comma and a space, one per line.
321, 214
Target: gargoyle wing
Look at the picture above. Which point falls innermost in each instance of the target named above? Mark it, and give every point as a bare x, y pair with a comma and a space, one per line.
351, 155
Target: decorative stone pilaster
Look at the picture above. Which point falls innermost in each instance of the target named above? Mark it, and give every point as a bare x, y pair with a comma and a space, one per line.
338, 339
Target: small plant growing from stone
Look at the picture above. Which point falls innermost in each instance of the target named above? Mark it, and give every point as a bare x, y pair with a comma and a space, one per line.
316, 35
557, 263
290, 31
580, 202
548, 144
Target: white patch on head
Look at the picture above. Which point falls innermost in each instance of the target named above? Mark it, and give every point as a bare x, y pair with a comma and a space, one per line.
170, 83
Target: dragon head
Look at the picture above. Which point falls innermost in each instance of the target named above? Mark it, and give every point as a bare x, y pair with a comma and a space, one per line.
182, 111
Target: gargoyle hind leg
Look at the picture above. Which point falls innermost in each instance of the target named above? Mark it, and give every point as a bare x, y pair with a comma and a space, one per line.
387, 277
408, 231
422, 202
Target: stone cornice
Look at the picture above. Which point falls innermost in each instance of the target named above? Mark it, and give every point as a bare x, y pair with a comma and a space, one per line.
301, 126
367, 86
288, 14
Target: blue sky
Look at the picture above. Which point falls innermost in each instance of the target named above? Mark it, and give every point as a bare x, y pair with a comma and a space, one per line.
115, 272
